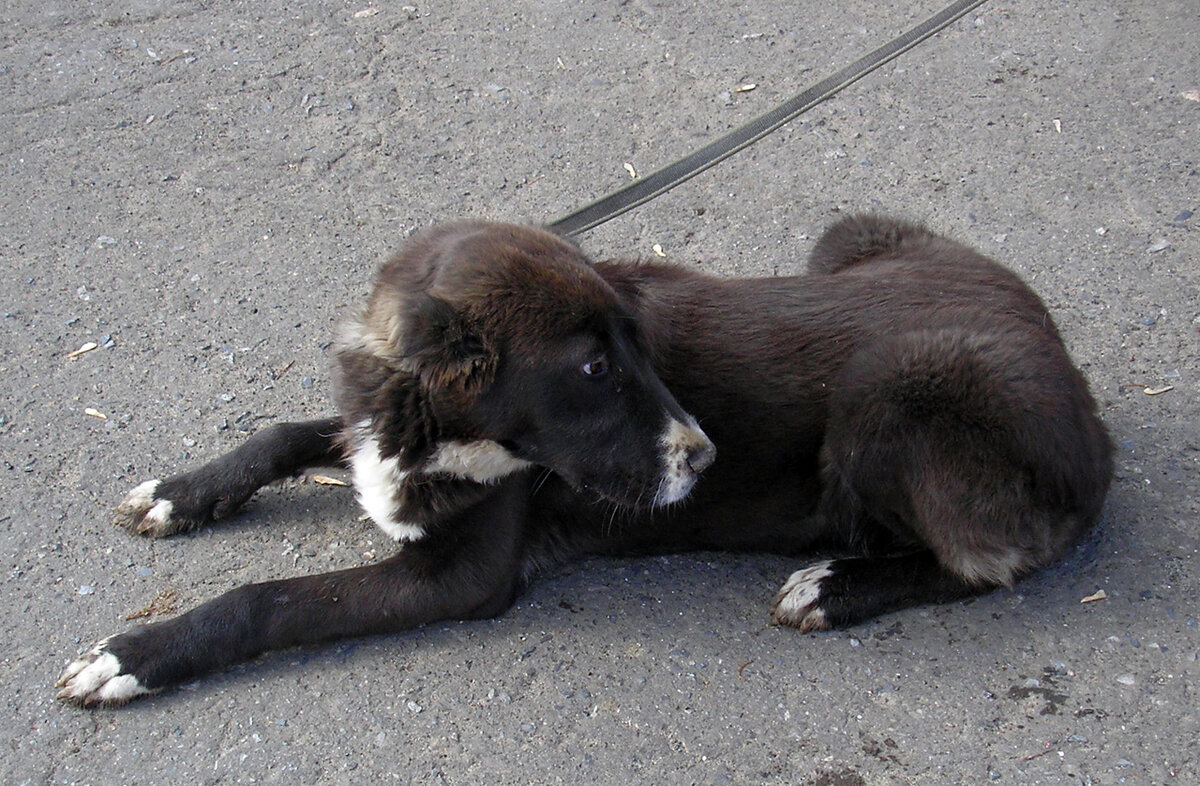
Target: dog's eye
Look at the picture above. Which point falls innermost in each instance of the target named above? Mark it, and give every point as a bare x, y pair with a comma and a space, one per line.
596, 367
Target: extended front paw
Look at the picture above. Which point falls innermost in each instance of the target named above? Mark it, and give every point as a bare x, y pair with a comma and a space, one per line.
158, 508
143, 512
98, 678
799, 602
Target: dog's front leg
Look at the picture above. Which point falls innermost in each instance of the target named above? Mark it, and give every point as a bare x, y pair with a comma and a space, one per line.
217, 489
473, 571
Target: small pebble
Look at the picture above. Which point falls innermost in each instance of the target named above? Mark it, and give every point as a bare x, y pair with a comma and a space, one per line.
87, 589
1184, 216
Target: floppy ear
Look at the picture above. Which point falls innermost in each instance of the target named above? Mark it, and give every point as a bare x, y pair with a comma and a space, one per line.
443, 349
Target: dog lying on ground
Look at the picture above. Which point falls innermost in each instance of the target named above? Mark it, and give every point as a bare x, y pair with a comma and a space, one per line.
506, 404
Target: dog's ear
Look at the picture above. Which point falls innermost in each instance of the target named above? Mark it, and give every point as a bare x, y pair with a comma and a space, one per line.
443, 348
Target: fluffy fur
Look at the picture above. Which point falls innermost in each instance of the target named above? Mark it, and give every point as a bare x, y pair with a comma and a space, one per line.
908, 405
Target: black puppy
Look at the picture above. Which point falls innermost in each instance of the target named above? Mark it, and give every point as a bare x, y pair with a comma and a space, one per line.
908, 403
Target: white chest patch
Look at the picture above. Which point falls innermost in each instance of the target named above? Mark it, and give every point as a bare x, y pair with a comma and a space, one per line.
482, 461
377, 479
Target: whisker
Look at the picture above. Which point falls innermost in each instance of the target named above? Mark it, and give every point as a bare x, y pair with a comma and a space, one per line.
541, 480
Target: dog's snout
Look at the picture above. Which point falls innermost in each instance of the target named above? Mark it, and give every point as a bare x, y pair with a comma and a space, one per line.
687, 451
701, 455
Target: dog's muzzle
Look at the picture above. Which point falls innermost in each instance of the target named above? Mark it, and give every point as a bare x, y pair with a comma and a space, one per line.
686, 452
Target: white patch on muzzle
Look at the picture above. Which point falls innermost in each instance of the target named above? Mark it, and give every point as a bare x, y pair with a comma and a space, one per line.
682, 445
377, 479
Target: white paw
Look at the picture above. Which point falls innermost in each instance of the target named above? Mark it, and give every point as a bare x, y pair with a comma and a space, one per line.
144, 514
796, 602
96, 678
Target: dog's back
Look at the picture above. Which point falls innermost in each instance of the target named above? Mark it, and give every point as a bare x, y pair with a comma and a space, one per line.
909, 400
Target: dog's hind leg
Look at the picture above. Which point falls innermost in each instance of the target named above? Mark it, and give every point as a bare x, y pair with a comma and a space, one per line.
950, 535
217, 489
472, 570
965, 534
840, 592
976, 456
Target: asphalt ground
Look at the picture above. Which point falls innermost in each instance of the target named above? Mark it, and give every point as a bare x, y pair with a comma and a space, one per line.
203, 190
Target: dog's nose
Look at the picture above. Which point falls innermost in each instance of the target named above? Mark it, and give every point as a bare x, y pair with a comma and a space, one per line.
701, 456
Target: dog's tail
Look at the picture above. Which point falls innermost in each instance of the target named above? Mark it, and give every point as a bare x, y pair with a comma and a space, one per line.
858, 238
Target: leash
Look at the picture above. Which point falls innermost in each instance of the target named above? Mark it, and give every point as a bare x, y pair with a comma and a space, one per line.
643, 190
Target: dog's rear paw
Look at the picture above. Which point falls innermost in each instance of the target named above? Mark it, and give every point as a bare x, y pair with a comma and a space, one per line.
143, 512
799, 602
96, 678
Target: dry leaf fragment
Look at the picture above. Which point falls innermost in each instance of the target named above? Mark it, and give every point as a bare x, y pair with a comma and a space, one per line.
325, 480
164, 603
632, 172
1098, 595
1157, 391
88, 347
95, 413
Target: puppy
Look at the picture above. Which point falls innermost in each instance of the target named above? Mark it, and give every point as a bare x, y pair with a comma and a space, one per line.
507, 404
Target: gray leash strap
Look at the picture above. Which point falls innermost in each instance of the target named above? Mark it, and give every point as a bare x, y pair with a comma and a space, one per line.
644, 189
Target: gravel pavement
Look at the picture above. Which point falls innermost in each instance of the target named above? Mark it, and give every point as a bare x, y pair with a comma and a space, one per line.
202, 190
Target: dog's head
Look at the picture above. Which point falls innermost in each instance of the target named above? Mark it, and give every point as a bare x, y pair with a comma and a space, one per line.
486, 348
